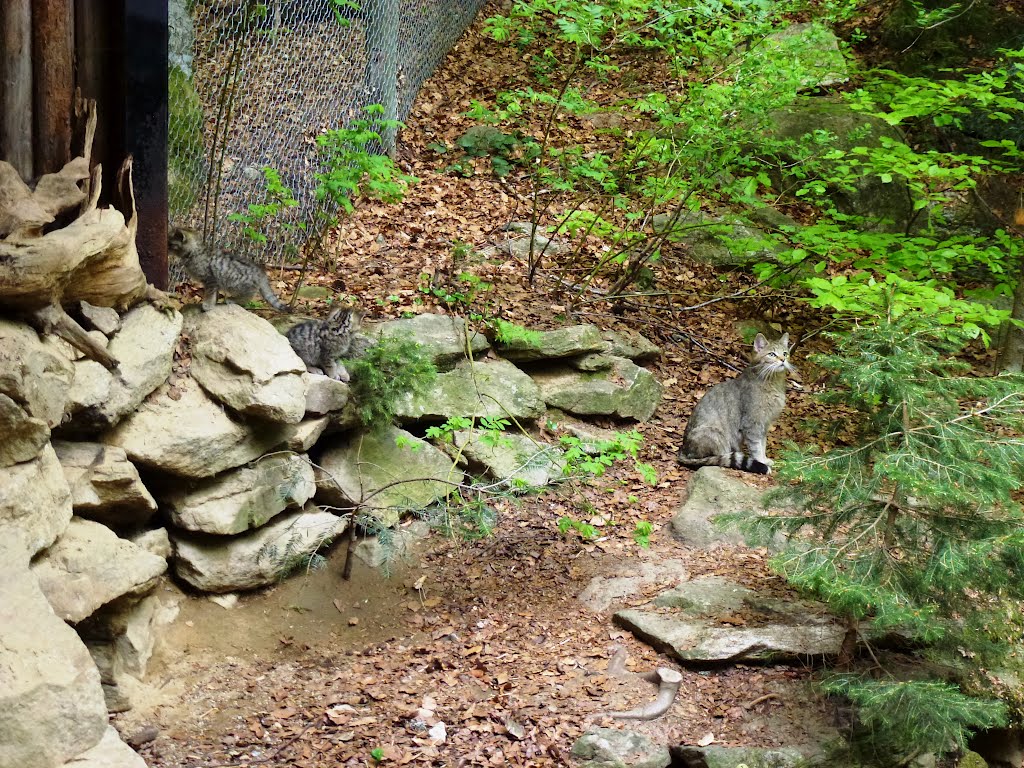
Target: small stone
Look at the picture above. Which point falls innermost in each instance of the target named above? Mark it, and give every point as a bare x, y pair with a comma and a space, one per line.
143, 735
103, 319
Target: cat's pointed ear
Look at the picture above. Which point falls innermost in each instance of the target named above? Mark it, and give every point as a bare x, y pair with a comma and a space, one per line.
785, 340
760, 342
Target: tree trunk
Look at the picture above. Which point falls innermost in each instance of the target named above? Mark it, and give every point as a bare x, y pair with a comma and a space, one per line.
1011, 356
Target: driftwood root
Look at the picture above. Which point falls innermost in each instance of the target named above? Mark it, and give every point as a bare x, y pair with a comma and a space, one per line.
667, 679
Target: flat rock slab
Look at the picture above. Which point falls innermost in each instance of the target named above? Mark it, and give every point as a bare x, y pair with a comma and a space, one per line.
706, 642
603, 592
255, 559
389, 472
105, 485
493, 388
612, 748
324, 395
446, 339
243, 498
243, 362
713, 491
303, 436
630, 344
89, 566
110, 752
35, 500
144, 347
705, 597
511, 457
552, 345
737, 757
184, 432
51, 698
624, 389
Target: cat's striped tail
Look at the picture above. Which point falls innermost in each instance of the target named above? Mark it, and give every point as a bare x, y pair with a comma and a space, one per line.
734, 460
271, 298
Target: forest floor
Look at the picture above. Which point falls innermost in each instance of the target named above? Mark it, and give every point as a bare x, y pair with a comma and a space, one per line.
488, 635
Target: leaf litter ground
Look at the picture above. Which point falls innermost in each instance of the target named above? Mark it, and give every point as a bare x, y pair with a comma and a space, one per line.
486, 637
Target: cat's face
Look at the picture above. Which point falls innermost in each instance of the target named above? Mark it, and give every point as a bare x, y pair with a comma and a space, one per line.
772, 356
182, 241
344, 319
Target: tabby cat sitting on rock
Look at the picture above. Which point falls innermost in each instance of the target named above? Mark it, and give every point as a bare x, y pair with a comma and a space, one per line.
319, 343
729, 426
218, 271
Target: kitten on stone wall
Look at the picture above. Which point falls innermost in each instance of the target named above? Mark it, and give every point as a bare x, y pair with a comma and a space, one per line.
218, 271
729, 427
319, 343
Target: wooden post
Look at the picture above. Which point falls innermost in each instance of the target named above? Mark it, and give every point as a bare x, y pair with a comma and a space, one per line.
16, 85
144, 48
53, 83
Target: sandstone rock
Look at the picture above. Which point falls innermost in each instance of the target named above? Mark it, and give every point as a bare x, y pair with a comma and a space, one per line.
243, 362
630, 344
35, 500
303, 436
103, 319
494, 388
89, 566
625, 390
708, 596
736, 757
145, 349
400, 544
24, 436
105, 486
549, 345
611, 748
243, 498
110, 752
257, 558
190, 435
51, 698
603, 592
712, 491
155, 541
357, 470
445, 338
33, 374
323, 394
514, 458
705, 642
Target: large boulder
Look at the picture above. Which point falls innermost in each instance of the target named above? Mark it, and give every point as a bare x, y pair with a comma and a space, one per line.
243, 362
24, 435
623, 389
255, 559
51, 699
35, 500
144, 347
713, 491
445, 338
89, 566
631, 583
243, 498
720, 239
811, 47
388, 473
703, 641
475, 389
736, 757
183, 431
110, 752
552, 345
611, 748
516, 459
33, 373
886, 206
105, 486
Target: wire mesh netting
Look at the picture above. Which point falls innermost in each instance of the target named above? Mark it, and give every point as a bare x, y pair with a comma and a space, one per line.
252, 84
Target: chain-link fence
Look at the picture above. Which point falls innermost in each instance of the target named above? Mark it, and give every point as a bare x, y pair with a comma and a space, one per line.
252, 84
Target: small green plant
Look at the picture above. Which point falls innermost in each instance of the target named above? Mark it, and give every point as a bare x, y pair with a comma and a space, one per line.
278, 198
585, 530
642, 533
376, 754
594, 457
390, 369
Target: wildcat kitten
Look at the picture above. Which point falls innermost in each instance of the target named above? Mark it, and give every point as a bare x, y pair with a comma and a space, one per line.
233, 275
737, 414
321, 342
